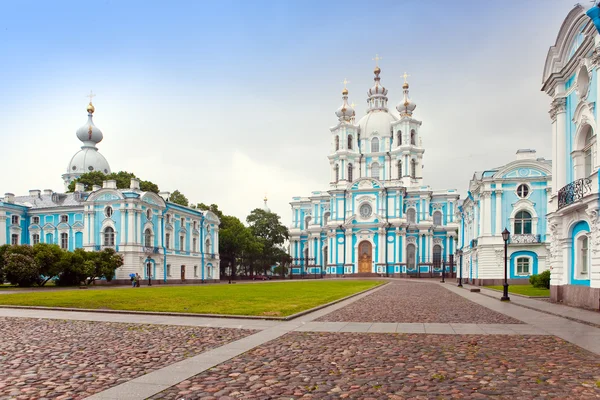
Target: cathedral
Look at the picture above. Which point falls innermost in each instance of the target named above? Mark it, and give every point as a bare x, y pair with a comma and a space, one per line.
158, 239
378, 216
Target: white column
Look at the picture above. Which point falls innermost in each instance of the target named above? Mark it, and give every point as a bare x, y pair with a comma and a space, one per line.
3, 228
159, 232
382, 244
486, 213
138, 216
122, 233
499, 227
559, 108
476, 221
86, 227
349, 248
130, 224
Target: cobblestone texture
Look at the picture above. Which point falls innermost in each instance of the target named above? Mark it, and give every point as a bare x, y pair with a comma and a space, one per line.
416, 302
58, 359
396, 366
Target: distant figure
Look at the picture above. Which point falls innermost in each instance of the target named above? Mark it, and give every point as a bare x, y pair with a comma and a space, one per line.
132, 277
137, 279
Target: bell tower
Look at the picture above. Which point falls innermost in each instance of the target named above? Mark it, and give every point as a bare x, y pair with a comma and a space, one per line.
344, 154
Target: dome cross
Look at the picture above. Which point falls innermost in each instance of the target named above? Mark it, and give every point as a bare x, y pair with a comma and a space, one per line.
91, 95
376, 59
405, 76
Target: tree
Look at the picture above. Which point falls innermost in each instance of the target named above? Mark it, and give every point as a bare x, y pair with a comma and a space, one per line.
48, 257
213, 208
74, 268
3, 250
267, 227
122, 178
102, 264
20, 266
178, 198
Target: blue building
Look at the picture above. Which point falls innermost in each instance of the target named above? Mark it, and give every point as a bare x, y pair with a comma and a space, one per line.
515, 197
571, 81
157, 238
378, 217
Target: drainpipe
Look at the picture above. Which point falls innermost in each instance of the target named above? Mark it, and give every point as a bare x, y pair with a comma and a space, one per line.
162, 224
202, 244
387, 228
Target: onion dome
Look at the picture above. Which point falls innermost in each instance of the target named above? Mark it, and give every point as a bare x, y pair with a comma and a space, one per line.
345, 112
89, 134
265, 207
406, 106
377, 94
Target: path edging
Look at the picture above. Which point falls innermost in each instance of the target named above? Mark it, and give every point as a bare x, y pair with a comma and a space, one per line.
178, 314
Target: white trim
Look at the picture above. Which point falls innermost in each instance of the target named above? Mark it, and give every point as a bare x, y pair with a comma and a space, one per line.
530, 259
576, 259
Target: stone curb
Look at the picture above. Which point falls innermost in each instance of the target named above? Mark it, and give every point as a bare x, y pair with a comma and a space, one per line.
517, 294
178, 314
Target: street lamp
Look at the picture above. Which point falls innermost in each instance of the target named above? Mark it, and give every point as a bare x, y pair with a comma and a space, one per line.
459, 253
149, 270
505, 237
444, 271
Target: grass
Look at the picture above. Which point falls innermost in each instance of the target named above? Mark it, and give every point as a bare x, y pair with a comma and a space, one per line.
278, 299
526, 290
6, 286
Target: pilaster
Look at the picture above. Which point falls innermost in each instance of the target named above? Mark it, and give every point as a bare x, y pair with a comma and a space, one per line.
498, 216
559, 122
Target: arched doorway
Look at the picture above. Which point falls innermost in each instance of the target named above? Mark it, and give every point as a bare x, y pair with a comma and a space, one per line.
437, 257
411, 263
365, 257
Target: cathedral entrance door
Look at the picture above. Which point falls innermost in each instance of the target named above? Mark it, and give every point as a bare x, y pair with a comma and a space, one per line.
365, 257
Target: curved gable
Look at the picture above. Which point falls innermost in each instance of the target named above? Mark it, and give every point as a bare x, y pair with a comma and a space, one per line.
365, 183
105, 195
525, 169
153, 198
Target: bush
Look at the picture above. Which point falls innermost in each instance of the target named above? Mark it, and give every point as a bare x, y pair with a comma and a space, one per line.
21, 269
541, 281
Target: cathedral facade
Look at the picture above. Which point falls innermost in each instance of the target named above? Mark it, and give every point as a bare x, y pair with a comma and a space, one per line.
158, 239
378, 216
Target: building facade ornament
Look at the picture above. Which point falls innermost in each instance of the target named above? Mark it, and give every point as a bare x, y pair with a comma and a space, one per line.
558, 105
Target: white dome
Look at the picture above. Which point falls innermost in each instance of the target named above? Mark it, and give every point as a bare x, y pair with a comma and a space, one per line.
406, 107
89, 134
88, 159
345, 112
376, 121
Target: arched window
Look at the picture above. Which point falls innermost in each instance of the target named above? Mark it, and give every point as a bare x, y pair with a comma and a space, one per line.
325, 218
35, 238
399, 140
350, 172
413, 169
109, 236
413, 137
437, 256
411, 216
64, 241
437, 218
375, 145
148, 238
337, 143
522, 223
411, 253
207, 246
399, 169
349, 142
375, 170
587, 154
337, 173
108, 211
148, 214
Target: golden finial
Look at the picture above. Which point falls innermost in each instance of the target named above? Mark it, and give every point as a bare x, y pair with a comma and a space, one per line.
376, 59
345, 91
90, 108
405, 76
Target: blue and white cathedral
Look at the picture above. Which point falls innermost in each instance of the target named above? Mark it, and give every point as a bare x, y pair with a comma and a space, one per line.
378, 216
165, 241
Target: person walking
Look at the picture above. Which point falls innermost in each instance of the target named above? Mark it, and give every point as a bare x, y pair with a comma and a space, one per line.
132, 276
137, 279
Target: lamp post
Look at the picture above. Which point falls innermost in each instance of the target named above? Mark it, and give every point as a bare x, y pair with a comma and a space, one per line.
459, 253
444, 271
505, 237
149, 270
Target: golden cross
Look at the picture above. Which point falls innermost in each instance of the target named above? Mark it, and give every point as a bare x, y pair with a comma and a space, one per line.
405, 76
345, 82
376, 59
90, 96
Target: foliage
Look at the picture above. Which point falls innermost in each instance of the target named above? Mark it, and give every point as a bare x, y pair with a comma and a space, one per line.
122, 178
268, 229
3, 249
179, 198
74, 268
102, 264
265, 299
213, 208
20, 266
541, 281
48, 258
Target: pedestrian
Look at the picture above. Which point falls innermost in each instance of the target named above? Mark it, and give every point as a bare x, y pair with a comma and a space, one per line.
137, 279
132, 278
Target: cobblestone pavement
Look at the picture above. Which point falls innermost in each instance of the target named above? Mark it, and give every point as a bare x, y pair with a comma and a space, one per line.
396, 366
61, 359
417, 302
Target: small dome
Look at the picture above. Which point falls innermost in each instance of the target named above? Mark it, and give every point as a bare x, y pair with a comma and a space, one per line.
90, 108
265, 207
406, 107
88, 160
345, 112
89, 134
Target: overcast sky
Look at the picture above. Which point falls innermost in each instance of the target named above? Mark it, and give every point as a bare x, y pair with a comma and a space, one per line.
227, 101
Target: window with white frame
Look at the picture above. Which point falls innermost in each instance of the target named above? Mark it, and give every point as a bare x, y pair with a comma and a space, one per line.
411, 216
349, 142
375, 145
350, 172
181, 242
437, 218
148, 237
399, 169
207, 246
375, 170
337, 143
109, 236
413, 169
523, 223
583, 254
523, 265
14, 239
168, 240
413, 137
523, 190
195, 270
168, 269
148, 214
64, 219
35, 238
399, 139
35, 220
64, 240
182, 222
194, 244
14, 220
587, 154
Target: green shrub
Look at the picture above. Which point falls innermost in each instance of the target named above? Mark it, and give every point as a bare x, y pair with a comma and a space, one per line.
541, 281
21, 269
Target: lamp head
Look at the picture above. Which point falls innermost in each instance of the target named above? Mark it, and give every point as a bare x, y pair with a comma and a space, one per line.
505, 235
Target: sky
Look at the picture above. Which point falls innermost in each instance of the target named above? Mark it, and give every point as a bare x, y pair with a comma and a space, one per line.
229, 101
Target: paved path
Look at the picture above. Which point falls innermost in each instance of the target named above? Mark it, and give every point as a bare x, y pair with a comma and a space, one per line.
330, 359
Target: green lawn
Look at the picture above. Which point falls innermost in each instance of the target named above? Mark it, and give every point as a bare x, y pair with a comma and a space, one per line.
526, 290
278, 299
